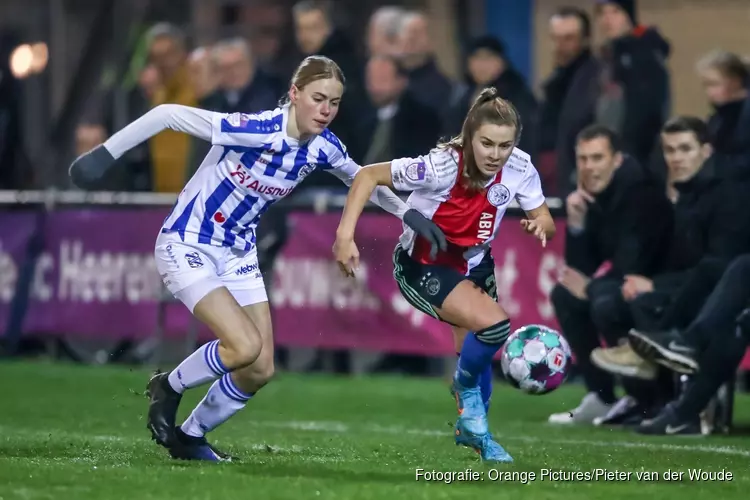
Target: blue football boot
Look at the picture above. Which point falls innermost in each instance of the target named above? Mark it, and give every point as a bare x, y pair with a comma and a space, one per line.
471, 428
195, 448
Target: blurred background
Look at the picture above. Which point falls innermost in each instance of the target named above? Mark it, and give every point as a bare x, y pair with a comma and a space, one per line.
76, 273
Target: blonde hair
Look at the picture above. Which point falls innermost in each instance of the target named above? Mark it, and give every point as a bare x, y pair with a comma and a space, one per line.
312, 69
490, 108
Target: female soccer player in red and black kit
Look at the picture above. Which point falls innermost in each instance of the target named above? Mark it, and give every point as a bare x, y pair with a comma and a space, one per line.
464, 188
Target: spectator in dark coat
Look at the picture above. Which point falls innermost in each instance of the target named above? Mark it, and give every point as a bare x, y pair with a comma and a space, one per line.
620, 216
488, 66
635, 93
242, 87
317, 35
726, 79
569, 102
427, 83
399, 125
709, 224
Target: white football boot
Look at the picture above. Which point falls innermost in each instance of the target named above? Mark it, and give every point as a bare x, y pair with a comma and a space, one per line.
591, 407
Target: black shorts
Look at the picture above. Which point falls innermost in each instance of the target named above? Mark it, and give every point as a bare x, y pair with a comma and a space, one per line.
426, 286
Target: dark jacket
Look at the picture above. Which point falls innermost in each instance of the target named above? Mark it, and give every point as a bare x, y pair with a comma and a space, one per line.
354, 102
431, 88
569, 106
636, 89
628, 224
729, 129
709, 222
510, 86
263, 93
416, 127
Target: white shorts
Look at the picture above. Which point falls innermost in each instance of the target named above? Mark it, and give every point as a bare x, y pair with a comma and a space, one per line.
191, 270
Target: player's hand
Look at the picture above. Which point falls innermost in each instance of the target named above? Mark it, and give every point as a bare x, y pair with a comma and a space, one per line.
347, 256
428, 230
88, 170
535, 228
577, 206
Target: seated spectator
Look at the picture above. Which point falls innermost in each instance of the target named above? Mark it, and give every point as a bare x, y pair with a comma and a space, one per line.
488, 66
726, 79
708, 225
620, 216
400, 125
712, 347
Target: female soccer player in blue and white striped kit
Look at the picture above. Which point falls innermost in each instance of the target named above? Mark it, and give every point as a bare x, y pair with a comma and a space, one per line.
205, 250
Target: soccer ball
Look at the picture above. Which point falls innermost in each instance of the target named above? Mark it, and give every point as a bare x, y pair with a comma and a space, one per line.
536, 359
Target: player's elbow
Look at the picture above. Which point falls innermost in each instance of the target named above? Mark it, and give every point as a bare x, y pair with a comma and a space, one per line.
376, 175
166, 112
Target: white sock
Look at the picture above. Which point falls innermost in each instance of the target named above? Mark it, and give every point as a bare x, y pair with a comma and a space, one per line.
223, 400
204, 365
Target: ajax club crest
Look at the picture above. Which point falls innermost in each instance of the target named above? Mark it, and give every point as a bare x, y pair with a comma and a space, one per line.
498, 195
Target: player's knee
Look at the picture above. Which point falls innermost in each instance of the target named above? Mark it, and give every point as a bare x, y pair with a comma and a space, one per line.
264, 373
496, 333
253, 377
244, 349
489, 319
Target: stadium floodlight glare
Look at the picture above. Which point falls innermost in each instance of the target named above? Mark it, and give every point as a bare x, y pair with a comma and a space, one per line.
21, 61
27, 59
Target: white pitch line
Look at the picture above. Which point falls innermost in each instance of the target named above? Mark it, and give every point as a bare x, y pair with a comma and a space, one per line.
343, 428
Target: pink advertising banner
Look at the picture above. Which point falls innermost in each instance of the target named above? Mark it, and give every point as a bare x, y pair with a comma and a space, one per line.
96, 277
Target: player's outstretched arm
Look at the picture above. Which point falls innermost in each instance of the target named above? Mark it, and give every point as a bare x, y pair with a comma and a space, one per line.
90, 167
365, 182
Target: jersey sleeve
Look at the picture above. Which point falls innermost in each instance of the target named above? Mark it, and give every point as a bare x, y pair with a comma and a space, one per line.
193, 121
414, 174
529, 194
431, 172
243, 129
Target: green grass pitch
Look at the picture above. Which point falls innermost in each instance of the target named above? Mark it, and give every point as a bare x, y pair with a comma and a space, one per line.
78, 433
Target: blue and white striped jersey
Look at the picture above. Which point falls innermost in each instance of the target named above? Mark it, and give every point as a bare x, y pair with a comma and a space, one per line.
253, 163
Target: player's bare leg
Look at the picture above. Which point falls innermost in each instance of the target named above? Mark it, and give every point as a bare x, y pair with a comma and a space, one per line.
488, 325
229, 395
253, 377
239, 344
